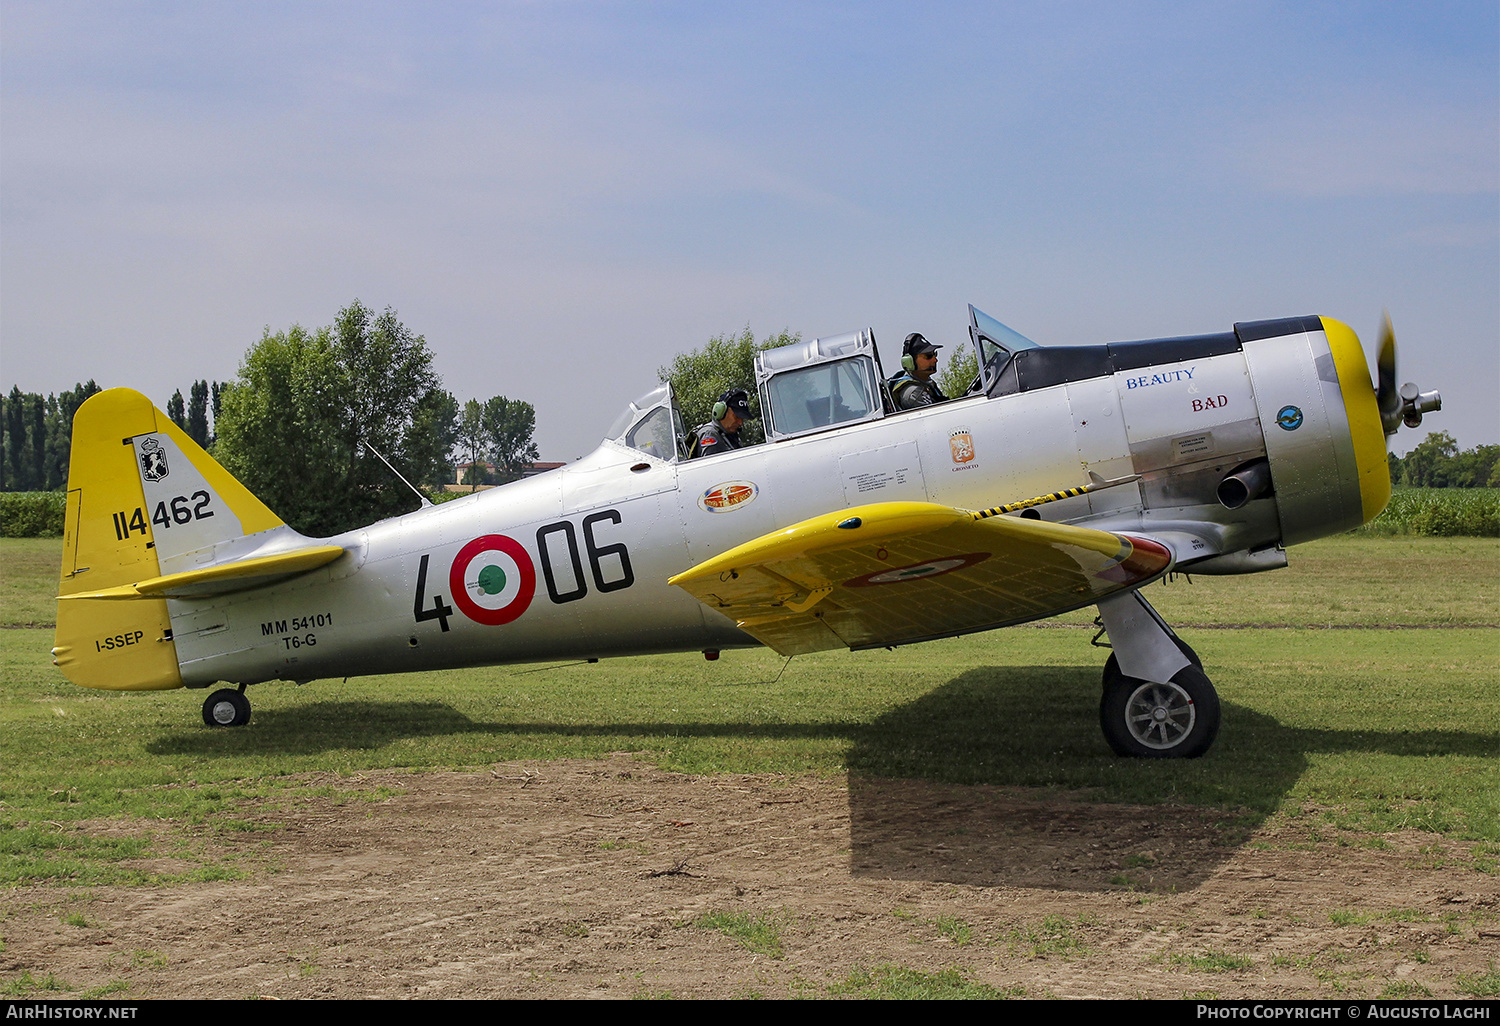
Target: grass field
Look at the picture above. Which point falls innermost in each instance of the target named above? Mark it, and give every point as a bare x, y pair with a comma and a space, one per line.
1363, 727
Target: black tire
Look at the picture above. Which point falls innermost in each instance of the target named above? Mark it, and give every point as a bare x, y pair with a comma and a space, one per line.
1150, 720
1187, 650
226, 708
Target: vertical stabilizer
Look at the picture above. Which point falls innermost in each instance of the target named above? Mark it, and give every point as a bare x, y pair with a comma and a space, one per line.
143, 500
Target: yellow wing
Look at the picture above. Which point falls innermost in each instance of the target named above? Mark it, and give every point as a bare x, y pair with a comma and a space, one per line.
897, 572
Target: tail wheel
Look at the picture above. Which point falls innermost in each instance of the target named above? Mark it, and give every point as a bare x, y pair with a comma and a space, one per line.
226, 708
1176, 719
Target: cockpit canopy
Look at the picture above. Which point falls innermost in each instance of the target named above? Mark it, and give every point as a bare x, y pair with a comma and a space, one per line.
651, 424
813, 386
819, 384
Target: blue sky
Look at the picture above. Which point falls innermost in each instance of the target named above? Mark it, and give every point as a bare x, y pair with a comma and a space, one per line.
560, 196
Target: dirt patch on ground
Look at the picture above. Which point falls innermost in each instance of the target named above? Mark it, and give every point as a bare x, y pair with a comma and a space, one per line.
613, 879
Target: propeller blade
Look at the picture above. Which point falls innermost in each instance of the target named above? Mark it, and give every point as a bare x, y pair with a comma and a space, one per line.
1387, 397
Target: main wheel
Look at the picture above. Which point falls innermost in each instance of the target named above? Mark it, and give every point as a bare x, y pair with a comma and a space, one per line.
226, 708
1178, 719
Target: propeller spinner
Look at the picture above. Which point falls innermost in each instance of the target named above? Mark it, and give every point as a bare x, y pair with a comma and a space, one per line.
1404, 405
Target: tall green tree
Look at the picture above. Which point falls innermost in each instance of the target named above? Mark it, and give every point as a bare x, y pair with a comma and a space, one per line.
508, 428
197, 414
471, 441
436, 421
298, 424
37, 428
16, 476
701, 375
60, 431
177, 410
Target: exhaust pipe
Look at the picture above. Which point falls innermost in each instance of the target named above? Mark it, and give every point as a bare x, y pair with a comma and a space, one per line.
1249, 481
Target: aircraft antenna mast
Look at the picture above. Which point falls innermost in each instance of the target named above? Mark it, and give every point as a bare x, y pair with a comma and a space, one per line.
422, 498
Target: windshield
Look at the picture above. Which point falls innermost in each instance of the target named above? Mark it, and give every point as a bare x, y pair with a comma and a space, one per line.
997, 343
1006, 336
650, 424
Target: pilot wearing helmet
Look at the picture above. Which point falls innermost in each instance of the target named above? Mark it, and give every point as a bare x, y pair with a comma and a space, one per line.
723, 432
914, 387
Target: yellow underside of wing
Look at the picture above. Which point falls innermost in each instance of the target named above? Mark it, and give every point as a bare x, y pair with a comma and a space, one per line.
898, 572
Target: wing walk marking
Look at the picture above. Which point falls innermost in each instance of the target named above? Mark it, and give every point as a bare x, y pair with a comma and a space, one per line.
1095, 485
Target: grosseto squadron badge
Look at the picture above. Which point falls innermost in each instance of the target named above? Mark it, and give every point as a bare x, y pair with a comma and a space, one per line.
153, 460
962, 445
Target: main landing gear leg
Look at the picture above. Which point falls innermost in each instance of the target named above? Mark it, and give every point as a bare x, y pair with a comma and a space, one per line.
1157, 702
227, 708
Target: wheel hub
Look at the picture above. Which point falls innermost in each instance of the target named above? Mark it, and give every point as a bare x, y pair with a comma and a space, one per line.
1160, 716
223, 713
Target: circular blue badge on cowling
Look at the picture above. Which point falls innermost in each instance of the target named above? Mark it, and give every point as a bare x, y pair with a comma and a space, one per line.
1289, 418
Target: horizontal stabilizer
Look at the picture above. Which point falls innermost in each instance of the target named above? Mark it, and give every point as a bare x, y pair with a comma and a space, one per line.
898, 572
240, 575
148, 509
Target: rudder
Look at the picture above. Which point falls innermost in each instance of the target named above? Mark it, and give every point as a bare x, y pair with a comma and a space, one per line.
144, 500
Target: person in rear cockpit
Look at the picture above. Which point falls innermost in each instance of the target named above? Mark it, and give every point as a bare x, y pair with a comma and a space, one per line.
723, 432
914, 387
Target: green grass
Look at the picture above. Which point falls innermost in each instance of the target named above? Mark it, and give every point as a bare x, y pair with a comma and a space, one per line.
954, 929
1347, 581
1056, 935
1359, 730
760, 934
27, 985
1212, 961
897, 983
1484, 985
29, 573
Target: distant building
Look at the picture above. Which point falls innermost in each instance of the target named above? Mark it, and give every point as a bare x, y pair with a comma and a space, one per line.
487, 470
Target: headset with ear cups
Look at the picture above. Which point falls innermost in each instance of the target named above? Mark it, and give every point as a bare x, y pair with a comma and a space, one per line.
913, 341
734, 395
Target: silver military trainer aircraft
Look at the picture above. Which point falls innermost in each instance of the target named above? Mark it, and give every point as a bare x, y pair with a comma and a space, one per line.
1066, 476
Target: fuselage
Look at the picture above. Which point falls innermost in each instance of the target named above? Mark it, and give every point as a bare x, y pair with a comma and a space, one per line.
574, 563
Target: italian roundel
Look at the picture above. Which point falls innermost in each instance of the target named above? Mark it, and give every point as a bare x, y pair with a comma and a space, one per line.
492, 580
917, 571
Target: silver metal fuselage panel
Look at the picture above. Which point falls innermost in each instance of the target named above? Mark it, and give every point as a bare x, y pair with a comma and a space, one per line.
573, 563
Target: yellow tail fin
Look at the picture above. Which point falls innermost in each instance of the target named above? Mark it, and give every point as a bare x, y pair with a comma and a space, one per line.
144, 501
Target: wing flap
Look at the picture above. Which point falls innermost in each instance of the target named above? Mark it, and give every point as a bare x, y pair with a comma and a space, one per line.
898, 572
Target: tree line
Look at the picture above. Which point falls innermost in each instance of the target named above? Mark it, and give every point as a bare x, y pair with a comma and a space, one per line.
38, 433
307, 424
1437, 462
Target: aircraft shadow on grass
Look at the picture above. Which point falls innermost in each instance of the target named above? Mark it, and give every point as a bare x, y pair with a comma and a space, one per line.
998, 777
1055, 808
